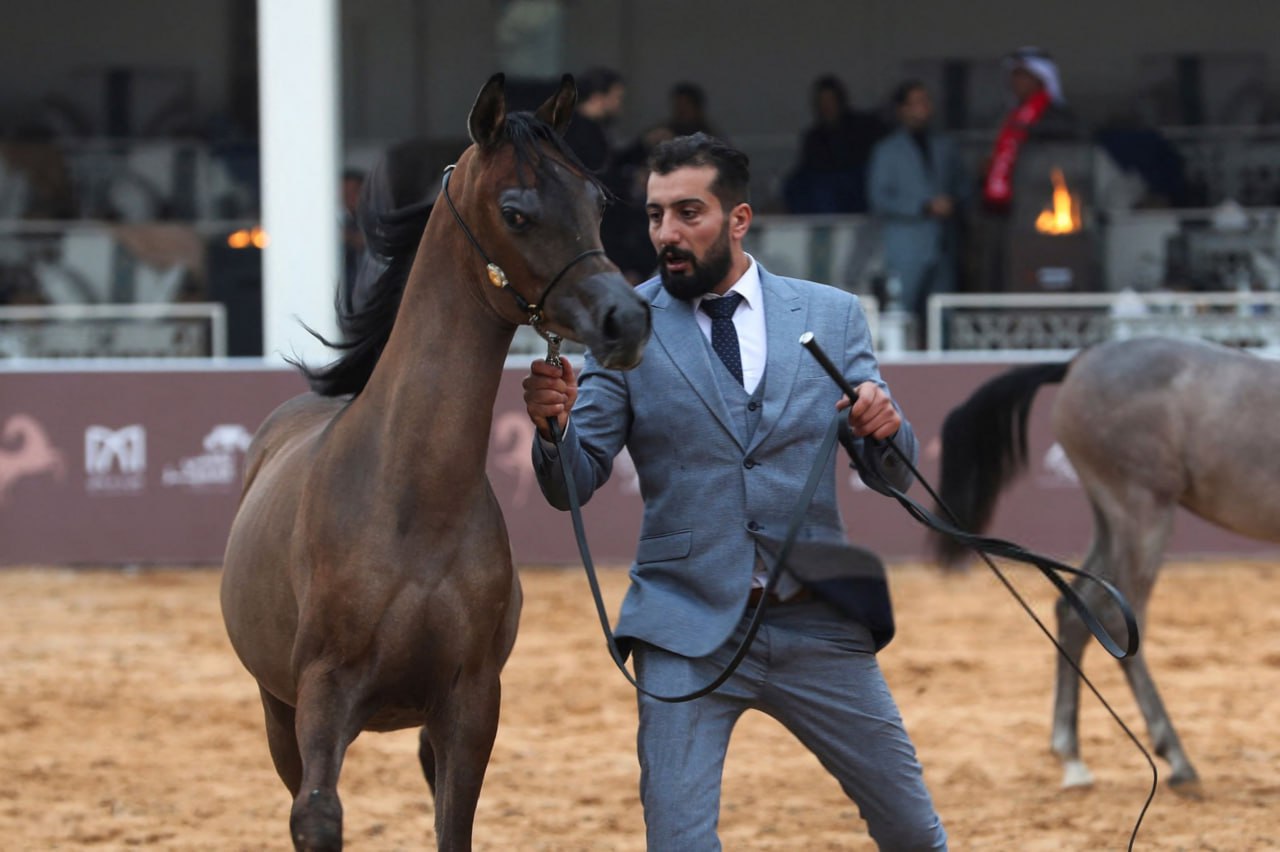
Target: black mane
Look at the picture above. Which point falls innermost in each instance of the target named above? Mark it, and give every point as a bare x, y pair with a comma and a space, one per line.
392, 237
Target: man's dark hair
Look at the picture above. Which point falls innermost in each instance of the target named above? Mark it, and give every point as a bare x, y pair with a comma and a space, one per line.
733, 174
829, 83
692, 92
596, 81
903, 90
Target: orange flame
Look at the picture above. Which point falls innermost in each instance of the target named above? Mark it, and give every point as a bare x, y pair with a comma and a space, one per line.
1064, 216
246, 237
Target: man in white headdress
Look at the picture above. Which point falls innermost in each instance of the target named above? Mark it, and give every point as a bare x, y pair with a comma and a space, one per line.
1040, 113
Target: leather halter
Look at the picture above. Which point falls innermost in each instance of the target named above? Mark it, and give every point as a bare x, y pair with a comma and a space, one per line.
498, 278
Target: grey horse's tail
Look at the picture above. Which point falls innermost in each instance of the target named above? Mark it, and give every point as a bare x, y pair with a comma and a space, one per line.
984, 446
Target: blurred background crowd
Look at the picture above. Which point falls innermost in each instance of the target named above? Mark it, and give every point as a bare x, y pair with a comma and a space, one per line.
896, 153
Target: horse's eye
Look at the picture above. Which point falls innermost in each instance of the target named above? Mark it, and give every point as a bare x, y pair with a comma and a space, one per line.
514, 218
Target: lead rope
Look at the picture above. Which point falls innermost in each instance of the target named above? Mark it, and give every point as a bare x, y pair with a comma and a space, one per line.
775, 573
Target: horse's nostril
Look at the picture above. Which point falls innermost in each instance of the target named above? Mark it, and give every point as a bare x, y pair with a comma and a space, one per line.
611, 327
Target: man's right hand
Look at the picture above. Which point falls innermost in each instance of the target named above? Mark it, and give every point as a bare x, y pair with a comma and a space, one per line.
550, 392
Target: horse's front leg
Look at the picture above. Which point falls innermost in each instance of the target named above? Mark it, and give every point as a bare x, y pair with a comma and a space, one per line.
461, 734
326, 725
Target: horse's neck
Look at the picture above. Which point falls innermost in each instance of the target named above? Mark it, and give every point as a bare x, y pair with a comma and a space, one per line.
432, 393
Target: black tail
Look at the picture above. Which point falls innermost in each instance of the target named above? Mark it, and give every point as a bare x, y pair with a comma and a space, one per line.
984, 446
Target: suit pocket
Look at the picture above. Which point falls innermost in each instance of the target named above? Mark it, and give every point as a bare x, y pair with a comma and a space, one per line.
665, 547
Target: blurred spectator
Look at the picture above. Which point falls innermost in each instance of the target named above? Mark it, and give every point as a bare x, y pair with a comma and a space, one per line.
1140, 149
35, 180
831, 174
1039, 112
352, 236
19, 285
601, 92
916, 186
688, 104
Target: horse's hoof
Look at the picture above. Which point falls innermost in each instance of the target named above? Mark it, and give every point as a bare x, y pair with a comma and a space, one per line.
1076, 776
1187, 787
316, 823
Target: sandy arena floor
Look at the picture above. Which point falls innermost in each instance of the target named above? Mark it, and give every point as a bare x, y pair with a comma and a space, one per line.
127, 722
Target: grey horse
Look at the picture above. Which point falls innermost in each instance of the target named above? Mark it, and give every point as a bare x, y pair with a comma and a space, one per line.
1149, 425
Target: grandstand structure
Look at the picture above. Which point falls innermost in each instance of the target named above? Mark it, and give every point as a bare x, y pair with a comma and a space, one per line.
170, 216
175, 159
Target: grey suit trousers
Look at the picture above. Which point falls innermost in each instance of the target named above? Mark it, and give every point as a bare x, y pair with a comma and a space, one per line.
812, 670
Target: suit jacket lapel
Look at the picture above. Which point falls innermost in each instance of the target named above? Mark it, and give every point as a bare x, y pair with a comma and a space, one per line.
676, 328
784, 323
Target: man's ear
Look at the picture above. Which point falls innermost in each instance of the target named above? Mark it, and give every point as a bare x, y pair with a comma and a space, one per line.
740, 220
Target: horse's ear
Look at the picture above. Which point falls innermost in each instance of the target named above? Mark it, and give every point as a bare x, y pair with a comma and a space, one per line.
488, 113
557, 110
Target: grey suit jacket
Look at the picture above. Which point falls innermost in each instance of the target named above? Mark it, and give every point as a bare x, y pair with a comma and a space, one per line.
899, 184
710, 501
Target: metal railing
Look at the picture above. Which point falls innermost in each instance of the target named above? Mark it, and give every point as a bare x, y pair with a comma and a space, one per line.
1022, 321
149, 330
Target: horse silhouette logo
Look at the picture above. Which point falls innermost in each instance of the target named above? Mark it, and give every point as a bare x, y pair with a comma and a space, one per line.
218, 466
25, 450
227, 439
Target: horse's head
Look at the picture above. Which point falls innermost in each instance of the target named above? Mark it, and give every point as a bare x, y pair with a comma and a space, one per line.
534, 214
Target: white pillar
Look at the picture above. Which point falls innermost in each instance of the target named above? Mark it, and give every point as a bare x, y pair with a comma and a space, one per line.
298, 106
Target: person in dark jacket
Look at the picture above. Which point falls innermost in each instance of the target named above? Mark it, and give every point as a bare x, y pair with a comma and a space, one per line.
831, 174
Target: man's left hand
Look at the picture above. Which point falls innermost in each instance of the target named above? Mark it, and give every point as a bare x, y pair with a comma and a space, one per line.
873, 415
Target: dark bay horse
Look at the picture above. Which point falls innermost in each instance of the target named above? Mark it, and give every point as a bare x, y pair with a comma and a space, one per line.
368, 582
1148, 425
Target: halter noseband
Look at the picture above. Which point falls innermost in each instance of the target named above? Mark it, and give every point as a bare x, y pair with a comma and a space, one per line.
498, 278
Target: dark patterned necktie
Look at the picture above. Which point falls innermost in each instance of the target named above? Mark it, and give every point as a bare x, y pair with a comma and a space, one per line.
724, 336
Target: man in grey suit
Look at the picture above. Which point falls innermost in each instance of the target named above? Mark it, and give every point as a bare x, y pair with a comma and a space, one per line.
916, 185
722, 420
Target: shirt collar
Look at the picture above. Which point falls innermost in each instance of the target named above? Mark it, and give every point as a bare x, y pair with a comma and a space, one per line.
748, 287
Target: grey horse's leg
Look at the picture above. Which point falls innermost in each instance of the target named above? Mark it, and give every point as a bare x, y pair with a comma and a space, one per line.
461, 738
326, 726
1129, 551
1073, 636
282, 740
1183, 778
1148, 540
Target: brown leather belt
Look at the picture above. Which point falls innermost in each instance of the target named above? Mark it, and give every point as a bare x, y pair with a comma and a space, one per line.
757, 594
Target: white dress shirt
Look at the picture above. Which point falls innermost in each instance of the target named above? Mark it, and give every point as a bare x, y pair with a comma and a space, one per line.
748, 320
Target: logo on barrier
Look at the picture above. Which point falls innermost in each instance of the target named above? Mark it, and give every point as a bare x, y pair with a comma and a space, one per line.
218, 467
115, 460
25, 450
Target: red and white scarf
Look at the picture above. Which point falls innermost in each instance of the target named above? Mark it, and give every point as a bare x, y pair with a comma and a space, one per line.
997, 189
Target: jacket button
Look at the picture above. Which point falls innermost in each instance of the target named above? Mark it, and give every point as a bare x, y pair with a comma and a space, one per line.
749, 463
753, 405
753, 526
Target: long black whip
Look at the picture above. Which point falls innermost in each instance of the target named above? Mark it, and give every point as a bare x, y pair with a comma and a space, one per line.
984, 546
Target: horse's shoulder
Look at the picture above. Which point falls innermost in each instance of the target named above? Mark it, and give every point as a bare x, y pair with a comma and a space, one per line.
298, 416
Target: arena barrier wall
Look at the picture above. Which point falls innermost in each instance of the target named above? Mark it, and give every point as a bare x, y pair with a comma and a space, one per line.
143, 466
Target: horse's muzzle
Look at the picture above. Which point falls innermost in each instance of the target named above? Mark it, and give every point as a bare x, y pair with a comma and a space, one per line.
603, 312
